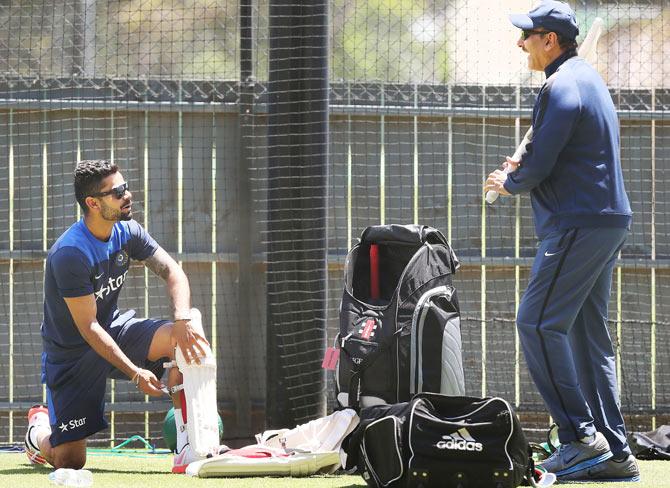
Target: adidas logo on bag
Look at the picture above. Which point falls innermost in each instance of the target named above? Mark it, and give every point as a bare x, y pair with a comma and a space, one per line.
461, 440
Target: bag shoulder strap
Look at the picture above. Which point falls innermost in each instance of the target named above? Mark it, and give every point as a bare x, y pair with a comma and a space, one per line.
358, 369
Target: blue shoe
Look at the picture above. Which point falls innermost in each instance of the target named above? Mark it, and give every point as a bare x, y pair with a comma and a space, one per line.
611, 470
577, 456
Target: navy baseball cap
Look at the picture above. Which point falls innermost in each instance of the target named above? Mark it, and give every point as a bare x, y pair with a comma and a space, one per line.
551, 15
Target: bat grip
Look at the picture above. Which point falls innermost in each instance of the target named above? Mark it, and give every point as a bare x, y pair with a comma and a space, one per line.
491, 195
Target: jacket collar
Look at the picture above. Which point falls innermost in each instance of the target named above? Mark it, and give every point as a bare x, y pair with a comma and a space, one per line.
556, 63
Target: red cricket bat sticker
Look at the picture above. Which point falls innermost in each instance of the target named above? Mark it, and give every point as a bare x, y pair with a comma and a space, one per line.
368, 329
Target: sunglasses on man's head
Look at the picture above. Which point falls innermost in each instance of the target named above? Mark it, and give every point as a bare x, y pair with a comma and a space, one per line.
526, 33
117, 191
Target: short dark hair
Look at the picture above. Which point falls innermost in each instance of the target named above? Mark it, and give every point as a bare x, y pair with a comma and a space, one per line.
88, 176
565, 43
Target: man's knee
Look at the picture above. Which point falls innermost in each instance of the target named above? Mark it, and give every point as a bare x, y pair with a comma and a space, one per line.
73, 458
161, 344
526, 320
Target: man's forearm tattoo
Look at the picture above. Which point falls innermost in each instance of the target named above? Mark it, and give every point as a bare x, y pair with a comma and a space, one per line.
157, 265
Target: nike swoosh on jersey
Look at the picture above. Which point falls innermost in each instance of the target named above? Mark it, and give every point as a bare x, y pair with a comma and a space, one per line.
99, 276
547, 253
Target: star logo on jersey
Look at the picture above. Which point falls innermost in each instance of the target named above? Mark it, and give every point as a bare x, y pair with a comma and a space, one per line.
63, 427
101, 293
112, 284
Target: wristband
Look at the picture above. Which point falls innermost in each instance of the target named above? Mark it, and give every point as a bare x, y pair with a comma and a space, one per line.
182, 317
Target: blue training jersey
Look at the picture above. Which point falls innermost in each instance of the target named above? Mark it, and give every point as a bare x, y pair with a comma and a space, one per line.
572, 167
79, 264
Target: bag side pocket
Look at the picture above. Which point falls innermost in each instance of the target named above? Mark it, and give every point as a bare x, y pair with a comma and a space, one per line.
382, 451
369, 363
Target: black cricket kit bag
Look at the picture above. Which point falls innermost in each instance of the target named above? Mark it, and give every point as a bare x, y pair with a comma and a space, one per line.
440, 441
399, 318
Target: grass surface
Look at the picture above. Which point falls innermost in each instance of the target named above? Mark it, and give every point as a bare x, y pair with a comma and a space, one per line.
152, 471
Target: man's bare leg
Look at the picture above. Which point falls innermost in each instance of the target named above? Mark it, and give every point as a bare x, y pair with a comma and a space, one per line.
38, 446
66, 455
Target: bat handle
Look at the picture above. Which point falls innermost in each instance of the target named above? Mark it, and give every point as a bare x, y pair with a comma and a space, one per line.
492, 195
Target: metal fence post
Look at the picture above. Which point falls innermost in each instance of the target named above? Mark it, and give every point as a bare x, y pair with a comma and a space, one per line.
245, 216
297, 199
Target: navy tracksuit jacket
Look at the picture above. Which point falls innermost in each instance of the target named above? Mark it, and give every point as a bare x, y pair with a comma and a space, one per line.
573, 172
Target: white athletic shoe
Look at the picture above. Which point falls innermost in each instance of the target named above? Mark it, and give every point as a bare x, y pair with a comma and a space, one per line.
184, 458
38, 417
188, 455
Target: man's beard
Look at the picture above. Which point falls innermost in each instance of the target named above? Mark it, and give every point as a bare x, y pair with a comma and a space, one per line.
114, 215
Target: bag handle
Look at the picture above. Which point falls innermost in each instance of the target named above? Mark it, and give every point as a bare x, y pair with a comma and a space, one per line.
412, 234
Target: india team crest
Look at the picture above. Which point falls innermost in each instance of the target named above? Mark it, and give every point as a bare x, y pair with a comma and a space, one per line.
122, 258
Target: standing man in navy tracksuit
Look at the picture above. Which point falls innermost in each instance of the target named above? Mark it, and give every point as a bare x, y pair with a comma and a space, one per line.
573, 173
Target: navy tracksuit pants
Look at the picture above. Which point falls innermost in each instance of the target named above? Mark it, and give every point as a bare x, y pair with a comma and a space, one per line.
562, 323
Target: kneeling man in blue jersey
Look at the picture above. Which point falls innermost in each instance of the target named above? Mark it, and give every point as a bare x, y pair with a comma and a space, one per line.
572, 170
87, 340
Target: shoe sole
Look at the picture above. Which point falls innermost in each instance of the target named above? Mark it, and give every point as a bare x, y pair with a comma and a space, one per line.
615, 480
36, 459
632, 479
587, 463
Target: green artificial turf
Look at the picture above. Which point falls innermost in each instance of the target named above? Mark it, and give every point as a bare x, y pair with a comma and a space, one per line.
153, 471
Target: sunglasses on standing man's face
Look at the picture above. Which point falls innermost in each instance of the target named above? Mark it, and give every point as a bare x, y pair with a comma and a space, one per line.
118, 192
526, 33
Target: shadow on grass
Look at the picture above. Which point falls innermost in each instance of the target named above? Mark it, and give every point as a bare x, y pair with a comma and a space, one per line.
24, 470
128, 471
44, 470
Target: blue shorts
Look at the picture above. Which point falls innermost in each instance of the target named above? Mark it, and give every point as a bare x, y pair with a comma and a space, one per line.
76, 388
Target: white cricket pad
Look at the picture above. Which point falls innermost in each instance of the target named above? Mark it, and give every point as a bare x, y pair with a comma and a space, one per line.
307, 449
264, 461
319, 435
200, 392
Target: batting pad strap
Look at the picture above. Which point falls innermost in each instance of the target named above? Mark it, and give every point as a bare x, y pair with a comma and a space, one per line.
176, 388
170, 364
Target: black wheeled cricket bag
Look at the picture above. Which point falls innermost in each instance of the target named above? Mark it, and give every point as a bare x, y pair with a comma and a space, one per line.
399, 318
